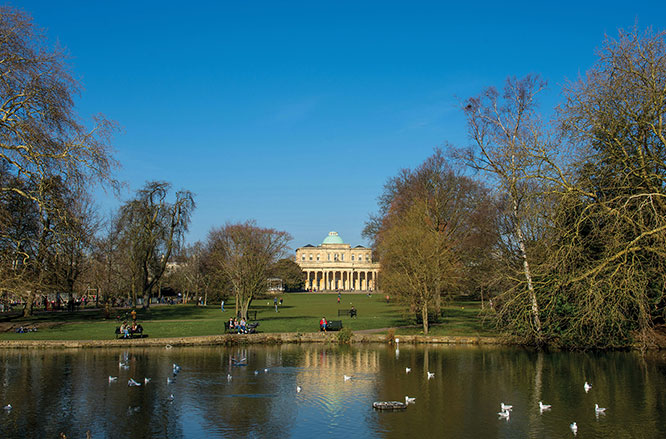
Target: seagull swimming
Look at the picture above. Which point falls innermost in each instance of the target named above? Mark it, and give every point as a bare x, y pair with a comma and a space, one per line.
256, 372
347, 378
397, 340
298, 389
504, 414
170, 380
574, 428
7, 407
543, 406
409, 400
408, 369
171, 397
146, 380
133, 383
506, 407
265, 370
229, 377
599, 410
431, 375
587, 386
112, 379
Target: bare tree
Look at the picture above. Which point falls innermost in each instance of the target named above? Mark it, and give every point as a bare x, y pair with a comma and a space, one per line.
42, 143
151, 227
430, 223
245, 253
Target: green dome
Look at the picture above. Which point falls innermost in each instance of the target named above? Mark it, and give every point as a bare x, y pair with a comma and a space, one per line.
333, 238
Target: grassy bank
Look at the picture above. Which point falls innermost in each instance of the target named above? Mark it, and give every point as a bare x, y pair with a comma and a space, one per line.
300, 312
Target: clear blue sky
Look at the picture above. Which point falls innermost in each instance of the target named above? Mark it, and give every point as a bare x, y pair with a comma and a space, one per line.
296, 113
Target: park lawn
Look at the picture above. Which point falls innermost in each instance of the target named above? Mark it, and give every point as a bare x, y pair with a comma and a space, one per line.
300, 312
459, 318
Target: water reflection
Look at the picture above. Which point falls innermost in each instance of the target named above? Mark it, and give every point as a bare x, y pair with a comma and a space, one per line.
69, 391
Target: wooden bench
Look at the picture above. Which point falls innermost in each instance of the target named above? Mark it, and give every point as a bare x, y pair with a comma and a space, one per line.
334, 325
132, 334
250, 328
348, 312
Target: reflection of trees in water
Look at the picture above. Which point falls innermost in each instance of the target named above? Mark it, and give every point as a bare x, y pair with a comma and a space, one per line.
54, 391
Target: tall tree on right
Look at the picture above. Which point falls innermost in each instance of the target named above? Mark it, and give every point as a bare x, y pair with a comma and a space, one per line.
611, 262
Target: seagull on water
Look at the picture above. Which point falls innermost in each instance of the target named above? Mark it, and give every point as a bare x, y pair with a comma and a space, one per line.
7, 407
265, 370
599, 410
229, 377
587, 386
170, 380
133, 383
409, 400
112, 379
146, 380
506, 407
176, 368
171, 397
504, 414
346, 377
543, 406
408, 369
298, 389
574, 428
397, 340
256, 372
431, 375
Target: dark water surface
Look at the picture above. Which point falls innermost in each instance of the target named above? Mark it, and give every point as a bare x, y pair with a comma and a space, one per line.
54, 391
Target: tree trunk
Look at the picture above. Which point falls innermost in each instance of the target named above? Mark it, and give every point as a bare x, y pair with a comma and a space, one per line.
534, 311
424, 316
27, 309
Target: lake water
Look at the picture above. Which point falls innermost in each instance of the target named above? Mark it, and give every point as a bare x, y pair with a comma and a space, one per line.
69, 391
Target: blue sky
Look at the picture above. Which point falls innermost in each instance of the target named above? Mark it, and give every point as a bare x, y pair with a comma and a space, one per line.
296, 113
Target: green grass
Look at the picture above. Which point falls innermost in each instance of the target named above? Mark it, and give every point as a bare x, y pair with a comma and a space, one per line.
300, 312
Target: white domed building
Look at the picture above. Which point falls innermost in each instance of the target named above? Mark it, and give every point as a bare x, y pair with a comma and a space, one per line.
336, 266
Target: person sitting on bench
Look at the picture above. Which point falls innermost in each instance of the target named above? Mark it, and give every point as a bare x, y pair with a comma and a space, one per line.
322, 324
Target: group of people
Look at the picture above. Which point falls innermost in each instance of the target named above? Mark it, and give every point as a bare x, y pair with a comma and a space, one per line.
239, 326
128, 329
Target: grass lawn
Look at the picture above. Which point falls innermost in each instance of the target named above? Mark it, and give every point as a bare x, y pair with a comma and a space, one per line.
300, 312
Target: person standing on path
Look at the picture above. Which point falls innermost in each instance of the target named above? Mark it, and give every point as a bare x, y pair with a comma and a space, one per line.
222, 305
133, 316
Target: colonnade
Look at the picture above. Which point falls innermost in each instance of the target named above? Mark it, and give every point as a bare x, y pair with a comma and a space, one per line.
345, 280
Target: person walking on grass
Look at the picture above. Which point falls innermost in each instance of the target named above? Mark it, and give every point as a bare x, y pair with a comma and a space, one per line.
222, 305
275, 302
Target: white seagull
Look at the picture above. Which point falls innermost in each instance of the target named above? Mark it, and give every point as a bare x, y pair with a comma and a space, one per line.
171, 397
504, 414
7, 407
599, 410
256, 372
574, 428
408, 369
229, 377
431, 375
112, 379
409, 400
133, 383
587, 386
265, 370
298, 389
506, 407
397, 340
543, 406
347, 377
170, 380
146, 380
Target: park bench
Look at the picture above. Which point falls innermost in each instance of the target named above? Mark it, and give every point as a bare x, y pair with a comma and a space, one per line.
334, 325
138, 333
348, 312
251, 328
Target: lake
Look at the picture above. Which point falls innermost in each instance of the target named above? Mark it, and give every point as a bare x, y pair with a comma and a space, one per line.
251, 391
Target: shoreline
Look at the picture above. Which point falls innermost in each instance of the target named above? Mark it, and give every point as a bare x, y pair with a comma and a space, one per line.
236, 339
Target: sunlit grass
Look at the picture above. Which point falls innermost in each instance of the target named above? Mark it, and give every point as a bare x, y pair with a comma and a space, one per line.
300, 312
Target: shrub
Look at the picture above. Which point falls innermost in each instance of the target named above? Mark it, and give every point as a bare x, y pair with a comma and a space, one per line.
345, 336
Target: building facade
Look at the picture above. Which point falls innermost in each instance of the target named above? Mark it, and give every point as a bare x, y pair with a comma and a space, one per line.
336, 266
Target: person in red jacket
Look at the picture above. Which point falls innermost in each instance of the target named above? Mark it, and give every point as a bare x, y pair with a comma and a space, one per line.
322, 324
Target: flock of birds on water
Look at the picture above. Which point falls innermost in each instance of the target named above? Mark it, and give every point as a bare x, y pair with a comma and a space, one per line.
505, 409
504, 413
